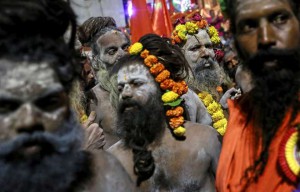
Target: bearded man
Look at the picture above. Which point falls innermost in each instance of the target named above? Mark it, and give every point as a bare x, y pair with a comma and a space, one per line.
197, 41
260, 151
108, 44
157, 159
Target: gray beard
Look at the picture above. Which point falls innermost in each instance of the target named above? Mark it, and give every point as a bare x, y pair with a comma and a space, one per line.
207, 79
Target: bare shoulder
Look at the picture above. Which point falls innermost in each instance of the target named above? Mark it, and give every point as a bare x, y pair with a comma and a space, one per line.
109, 174
199, 133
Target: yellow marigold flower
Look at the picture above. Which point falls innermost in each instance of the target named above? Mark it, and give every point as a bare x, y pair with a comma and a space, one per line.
136, 48
217, 115
191, 28
215, 39
179, 131
169, 97
207, 100
180, 28
220, 124
222, 130
213, 107
83, 118
202, 95
212, 31
182, 35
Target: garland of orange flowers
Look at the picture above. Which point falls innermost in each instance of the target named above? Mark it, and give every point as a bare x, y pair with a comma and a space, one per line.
215, 110
173, 90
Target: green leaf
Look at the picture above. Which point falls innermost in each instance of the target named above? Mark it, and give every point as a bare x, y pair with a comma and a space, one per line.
174, 103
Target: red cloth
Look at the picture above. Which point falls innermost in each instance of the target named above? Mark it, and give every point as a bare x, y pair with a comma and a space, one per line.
140, 21
238, 153
161, 21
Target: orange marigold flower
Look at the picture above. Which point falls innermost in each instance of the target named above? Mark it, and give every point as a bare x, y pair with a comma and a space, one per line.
165, 74
177, 39
178, 111
145, 53
202, 24
180, 87
219, 89
156, 69
150, 60
167, 84
176, 122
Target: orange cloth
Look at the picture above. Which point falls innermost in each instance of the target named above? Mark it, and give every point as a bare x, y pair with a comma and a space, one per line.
161, 21
237, 155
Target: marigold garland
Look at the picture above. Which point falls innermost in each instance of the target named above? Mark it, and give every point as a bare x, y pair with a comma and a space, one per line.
173, 90
181, 31
215, 110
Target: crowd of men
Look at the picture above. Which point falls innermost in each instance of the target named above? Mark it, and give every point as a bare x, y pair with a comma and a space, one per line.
94, 112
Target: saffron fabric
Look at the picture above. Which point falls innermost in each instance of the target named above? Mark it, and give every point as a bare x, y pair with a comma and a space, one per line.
238, 153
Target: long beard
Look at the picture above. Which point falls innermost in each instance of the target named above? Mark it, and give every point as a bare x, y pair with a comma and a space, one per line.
276, 90
141, 125
60, 166
207, 79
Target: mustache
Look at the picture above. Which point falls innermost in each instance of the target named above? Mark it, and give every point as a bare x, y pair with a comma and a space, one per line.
285, 58
128, 103
67, 139
201, 65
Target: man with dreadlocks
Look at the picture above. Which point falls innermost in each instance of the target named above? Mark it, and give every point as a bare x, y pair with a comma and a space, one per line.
150, 83
108, 44
260, 151
40, 139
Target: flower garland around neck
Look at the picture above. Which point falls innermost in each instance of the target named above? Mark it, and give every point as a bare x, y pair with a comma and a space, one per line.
172, 89
183, 28
215, 110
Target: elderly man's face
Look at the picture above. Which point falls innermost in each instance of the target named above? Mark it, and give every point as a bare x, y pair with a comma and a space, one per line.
31, 99
265, 24
198, 50
112, 46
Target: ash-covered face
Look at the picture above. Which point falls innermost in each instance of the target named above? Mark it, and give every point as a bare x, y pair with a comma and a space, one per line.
261, 25
198, 51
31, 100
136, 83
112, 46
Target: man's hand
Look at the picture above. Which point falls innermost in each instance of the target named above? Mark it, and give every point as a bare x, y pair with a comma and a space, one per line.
94, 136
232, 93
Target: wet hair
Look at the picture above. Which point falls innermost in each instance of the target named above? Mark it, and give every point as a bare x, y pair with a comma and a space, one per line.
170, 55
38, 18
295, 5
93, 28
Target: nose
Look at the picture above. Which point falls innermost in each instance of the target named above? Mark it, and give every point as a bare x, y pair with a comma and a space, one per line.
127, 92
28, 121
266, 35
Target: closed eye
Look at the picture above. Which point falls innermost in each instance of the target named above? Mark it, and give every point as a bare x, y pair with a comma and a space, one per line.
8, 106
51, 102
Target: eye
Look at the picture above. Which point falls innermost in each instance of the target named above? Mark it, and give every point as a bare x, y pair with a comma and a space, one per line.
112, 51
125, 47
208, 46
8, 106
195, 48
280, 19
247, 26
52, 102
137, 83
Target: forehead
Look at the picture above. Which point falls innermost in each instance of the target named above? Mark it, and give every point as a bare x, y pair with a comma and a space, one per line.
260, 8
134, 71
22, 79
112, 38
201, 37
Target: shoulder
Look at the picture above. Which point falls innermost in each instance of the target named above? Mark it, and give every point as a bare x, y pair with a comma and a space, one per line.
203, 135
109, 174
